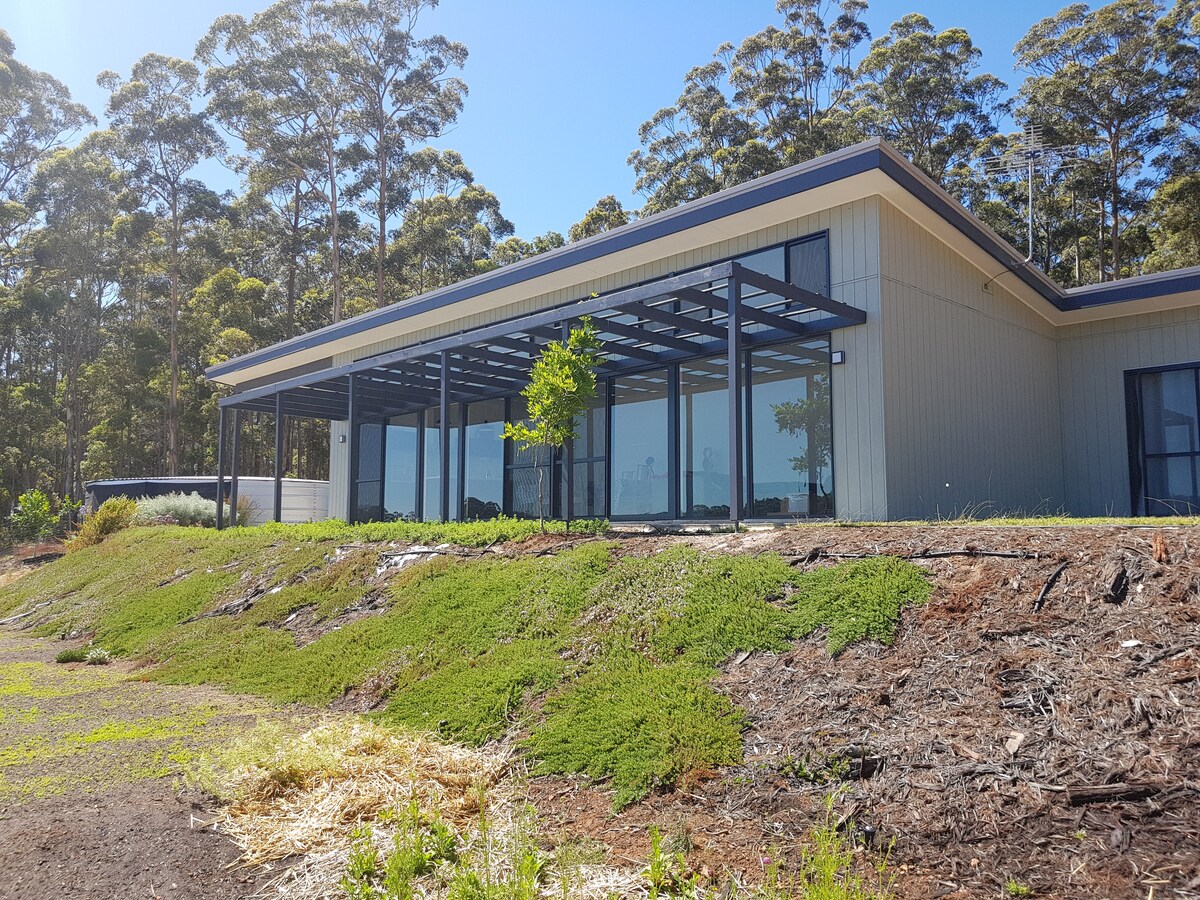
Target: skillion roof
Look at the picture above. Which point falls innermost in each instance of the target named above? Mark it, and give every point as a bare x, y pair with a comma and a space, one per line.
859, 166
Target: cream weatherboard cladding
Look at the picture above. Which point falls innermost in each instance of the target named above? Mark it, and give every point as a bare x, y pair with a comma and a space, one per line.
860, 489
1092, 360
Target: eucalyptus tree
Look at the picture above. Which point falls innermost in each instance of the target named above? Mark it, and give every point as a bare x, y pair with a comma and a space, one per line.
277, 83
515, 249
1104, 73
37, 115
78, 193
450, 227
795, 81
699, 145
160, 137
607, 214
402, 94
918, 88
1178, 33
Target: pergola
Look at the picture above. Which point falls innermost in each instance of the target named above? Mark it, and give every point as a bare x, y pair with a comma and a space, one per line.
721, 309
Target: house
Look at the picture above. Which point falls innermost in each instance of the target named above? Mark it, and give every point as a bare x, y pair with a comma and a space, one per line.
893, 358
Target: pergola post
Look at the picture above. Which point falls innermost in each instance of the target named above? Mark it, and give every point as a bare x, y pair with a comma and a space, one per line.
734, 327
279, 425
220, 467
444, 434
352, 448
234, 456
674, 507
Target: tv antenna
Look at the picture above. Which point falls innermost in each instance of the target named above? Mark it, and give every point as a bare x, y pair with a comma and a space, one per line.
1028, 155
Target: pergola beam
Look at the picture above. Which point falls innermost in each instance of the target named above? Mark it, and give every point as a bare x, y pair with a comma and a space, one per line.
799, 295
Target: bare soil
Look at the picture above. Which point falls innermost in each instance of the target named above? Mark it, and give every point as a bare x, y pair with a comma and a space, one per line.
90, 805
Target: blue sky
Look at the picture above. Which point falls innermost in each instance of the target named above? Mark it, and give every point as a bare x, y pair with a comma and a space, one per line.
558, 89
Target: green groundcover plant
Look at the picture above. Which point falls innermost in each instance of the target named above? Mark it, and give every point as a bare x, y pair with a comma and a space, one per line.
601, 663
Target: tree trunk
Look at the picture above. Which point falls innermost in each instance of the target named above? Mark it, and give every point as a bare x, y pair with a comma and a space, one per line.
294, 261
331, 158
173, 399
1116, 217
381, 213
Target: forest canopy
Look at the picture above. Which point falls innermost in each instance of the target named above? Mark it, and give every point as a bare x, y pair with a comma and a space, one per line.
124, 275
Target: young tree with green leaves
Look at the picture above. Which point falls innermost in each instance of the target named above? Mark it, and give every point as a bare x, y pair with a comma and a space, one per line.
561, 385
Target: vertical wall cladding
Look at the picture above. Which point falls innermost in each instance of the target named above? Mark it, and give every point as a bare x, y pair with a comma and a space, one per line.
339, 472
860, 486
859, 472
971, 386
1093, 358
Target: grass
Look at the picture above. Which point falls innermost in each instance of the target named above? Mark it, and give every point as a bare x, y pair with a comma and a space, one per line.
603, 664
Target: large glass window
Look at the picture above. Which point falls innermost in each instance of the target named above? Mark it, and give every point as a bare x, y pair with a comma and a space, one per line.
432, 510
808, 264
641, 460
1165, 434
791, 449
484, 466
370, 473
588, 453
400, 468
528, 471
704, 440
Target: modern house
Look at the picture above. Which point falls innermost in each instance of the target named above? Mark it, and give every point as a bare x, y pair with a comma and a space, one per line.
838, 339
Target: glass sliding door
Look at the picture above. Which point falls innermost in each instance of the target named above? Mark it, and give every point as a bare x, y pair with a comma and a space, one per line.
704, 439
483, 494
1165, 435
640, 461
791, 452
432, 488
400, 445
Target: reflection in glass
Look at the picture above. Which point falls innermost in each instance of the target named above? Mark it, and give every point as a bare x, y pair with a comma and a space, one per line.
484, 448
1170, 423
704, 440
640, 454
400, 469
527, 469
591, 482
370, 460
433, 464
791, 446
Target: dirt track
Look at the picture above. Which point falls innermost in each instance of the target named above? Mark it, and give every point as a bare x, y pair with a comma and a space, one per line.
88, 801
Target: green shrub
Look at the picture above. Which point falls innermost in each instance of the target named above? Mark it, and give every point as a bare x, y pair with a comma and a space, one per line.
33, 518
859, 599
97, 656
178, 509
643, 725
113, 515
76, 654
